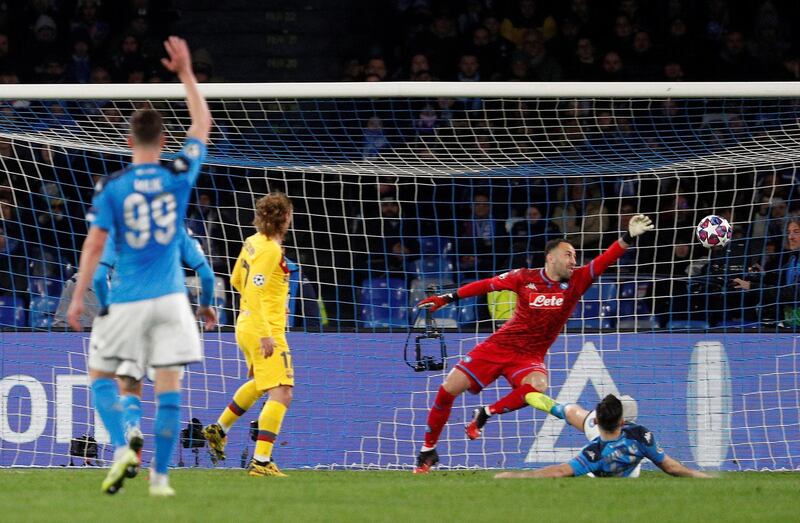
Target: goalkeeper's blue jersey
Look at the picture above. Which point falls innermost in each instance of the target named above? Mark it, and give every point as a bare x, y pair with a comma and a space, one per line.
619, 457
145, 205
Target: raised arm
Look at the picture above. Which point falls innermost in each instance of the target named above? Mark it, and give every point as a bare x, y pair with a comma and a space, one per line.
179, 61
673, 467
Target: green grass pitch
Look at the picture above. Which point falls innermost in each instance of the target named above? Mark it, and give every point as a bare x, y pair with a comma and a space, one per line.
449, 497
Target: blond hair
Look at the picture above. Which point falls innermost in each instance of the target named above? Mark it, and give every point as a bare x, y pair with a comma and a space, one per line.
271, 211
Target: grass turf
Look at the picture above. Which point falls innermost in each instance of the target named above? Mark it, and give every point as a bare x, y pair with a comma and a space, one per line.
464, 496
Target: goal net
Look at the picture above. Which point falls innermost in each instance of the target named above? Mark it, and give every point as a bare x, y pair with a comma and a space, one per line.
402, 190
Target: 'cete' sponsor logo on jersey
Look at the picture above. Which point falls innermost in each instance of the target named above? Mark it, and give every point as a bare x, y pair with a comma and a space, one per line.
547, 301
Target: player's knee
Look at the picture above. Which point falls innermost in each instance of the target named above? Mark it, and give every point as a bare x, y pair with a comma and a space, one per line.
129, 385
537, 380
282, 394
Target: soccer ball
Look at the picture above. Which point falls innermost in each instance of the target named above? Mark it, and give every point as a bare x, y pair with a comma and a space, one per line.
713, 231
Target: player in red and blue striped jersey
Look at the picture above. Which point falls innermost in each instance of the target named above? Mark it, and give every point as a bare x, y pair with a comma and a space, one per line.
545, 299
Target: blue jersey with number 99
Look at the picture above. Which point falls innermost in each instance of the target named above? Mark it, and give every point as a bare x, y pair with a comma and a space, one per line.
146, 205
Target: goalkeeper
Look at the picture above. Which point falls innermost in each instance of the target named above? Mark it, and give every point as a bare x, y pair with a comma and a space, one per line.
616, 452
545, 300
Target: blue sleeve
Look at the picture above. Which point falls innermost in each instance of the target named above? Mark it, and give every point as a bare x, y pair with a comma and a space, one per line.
100, 278
193, 257
100, 213
190, 159
589, 460
100, 284
650, 447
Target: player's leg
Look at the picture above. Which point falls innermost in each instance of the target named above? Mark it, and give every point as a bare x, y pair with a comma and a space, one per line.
243, 399
109, 343
129, 377
269, 427
455, 384
275, 375
527, 379
167, 427
173, 342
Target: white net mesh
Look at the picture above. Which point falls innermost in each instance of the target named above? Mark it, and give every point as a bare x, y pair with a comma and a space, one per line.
395, 195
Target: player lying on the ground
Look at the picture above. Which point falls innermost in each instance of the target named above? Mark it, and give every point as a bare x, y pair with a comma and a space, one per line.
130, 373
616, 452
545, 300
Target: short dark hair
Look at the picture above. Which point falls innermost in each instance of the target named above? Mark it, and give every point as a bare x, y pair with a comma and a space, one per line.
146, 127
555, 242
609, 413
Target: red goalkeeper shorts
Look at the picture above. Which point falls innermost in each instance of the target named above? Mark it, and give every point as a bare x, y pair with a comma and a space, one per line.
488, 361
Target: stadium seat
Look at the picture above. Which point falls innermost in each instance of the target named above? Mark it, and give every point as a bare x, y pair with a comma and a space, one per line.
384, 303
42, 309
431, 245
501, 304
431, 268
12, 312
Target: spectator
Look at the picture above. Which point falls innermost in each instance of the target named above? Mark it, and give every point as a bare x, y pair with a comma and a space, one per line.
583, 66
734, 62
390, 239
484, 237
45, 43
353, 71
86, 23
79, 68
673, 72
128, 58
612, 69
679, 43
501, 46
207, 222
778, 283
643, 62
440, 44
529, 237
469, 69
528, 16
542, 67
7, 61
13, 255
485, 53
519, 71
376, 66
622, 36
374, 138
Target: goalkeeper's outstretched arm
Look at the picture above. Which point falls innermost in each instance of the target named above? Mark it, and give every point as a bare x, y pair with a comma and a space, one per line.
476, 288
553, 471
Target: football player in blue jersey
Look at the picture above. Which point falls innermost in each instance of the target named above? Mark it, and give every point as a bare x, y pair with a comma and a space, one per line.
615, 453
129, 373
149, 318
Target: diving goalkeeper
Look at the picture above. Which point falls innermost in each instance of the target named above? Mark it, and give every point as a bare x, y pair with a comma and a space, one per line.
545, 300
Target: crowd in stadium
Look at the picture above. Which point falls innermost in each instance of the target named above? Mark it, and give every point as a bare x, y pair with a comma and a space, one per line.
581, 40
479, 228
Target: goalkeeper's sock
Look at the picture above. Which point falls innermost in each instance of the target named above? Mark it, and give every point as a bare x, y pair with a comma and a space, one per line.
545, 403
106, 400
438, 416
131, 411
167, 428
512, 401
269, 426
246, 396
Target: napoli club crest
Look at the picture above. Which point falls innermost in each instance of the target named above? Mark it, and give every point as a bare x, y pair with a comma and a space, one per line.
467, 359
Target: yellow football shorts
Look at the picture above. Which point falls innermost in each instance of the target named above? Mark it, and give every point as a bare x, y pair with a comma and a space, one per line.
267, 372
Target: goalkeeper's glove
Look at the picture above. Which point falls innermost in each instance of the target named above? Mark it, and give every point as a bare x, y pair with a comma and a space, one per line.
434, 303
638, 225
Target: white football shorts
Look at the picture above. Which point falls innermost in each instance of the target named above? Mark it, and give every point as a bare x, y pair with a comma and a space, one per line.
159, 332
